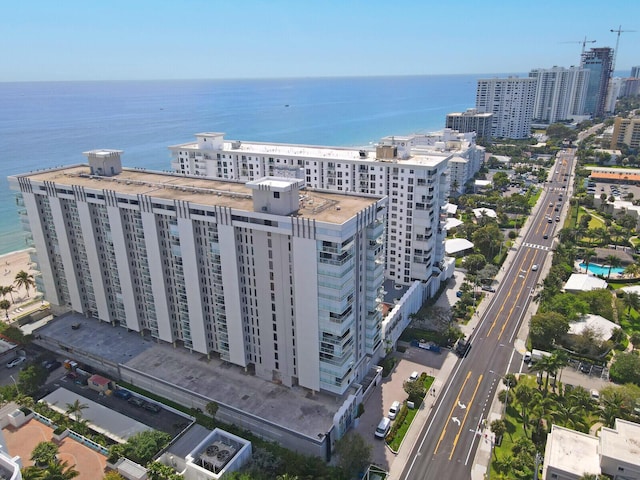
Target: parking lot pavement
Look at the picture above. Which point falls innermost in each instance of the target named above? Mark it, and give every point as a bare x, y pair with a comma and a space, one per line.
391, 389
570, 375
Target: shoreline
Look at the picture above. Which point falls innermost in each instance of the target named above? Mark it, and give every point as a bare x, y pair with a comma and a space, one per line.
5, 256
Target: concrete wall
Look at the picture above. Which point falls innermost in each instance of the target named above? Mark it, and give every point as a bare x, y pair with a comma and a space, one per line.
227, 413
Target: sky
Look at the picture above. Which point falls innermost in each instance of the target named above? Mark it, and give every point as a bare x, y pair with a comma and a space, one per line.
44, 40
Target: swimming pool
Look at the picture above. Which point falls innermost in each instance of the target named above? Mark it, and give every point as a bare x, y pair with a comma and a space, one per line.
602, 269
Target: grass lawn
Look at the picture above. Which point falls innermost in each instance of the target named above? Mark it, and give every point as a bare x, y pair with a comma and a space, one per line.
411, 413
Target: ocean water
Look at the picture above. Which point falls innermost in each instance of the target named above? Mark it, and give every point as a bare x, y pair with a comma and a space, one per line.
45, 124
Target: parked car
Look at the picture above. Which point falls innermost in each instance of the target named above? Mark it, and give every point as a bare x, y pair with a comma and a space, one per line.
152, 407
122, 393
488, 288
16, 361
459, 293
137, 401
414, 376
52, 365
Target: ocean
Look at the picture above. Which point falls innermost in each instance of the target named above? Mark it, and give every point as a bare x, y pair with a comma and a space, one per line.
46, 124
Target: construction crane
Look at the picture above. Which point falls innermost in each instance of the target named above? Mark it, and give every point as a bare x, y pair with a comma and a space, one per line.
615, 52
584, 43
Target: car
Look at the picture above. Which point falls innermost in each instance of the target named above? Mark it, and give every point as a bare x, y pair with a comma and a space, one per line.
549, 220
122, 393
535, 267
152, 407
136, 401
16, 361
383, 428
393, 411
414, 376
585, 367
545, 236
53, 365
551, 205
488, 288
557, 209
595, 395
557, 218
459, 293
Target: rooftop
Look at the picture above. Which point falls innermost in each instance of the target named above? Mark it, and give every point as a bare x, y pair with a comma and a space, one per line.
622, 443
584, 283
318, 205
572, 452
422, 156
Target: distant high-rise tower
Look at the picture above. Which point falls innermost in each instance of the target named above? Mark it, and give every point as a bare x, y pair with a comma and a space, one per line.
635, 72
560, 93
599, 61
471, 121
511, 102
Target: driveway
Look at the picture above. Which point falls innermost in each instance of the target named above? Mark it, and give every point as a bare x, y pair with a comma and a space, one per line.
390, 389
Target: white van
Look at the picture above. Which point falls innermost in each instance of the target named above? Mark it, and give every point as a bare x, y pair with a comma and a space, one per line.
394, 410
383, 428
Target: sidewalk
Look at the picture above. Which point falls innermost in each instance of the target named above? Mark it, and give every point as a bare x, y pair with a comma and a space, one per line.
483, 453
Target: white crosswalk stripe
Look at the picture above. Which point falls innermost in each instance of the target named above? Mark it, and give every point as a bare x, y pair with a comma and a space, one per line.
533, 245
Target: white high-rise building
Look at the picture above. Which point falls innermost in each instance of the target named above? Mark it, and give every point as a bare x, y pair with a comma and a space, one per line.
511, 101
282, 281
560, 93
410, 170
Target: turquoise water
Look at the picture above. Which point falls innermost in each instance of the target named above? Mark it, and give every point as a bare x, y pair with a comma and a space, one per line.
45, 124
602, 269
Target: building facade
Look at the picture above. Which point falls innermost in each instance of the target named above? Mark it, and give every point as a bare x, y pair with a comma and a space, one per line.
281, 281
471, 121
411, 171
560, 93
511, 102
599, 62
626, 131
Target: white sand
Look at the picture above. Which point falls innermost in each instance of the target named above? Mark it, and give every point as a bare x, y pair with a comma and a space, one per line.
10, 265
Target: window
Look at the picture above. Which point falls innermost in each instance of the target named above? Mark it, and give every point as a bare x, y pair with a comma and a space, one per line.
276, 194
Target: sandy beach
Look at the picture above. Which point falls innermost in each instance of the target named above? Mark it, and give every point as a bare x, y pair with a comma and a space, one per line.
21, 300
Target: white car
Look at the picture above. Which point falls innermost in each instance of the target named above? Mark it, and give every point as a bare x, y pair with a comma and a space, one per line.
414, 376
535, 267
16, 361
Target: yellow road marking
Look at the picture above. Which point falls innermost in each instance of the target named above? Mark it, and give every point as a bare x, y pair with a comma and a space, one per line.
455, 441
455, 404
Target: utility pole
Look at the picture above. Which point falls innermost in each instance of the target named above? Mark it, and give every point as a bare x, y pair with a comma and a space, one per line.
615, 52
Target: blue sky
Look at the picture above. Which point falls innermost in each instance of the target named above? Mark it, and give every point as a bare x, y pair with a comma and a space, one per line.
172, 39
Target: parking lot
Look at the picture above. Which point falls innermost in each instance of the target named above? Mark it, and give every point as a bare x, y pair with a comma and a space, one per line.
391, 389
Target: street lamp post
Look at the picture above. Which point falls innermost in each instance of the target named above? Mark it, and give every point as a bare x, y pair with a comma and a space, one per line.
15, 383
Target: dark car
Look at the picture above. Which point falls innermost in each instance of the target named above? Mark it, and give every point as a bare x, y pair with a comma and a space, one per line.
51, 366
462, 348
137, 401
122, 393
585, 367
152, 407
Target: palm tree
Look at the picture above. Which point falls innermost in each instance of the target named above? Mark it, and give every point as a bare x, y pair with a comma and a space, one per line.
633, 269
589, 254
32, 473
547, 365
631, 300
60, 471
613, 261
10, 289
570, 416
44, 453
524, 394
5, 305
24, 279
76, 408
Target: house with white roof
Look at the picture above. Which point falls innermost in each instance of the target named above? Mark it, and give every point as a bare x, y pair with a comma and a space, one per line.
581, 282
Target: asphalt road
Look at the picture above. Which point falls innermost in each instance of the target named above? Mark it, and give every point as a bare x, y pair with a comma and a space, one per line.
447, 444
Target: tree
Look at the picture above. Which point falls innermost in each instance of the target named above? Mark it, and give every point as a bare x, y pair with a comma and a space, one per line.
415, 390
524, 395
113, 475
635, 340
613, 262
354, 453
44, 453
141, 447
498, 428
5, 305
25, 279
76, 408
9, 289
212, 409
60, 471
31, 378
159, 471
626, 368
546, 329
32, 473
474, 262
631, 300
